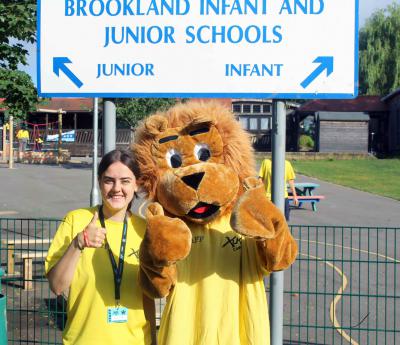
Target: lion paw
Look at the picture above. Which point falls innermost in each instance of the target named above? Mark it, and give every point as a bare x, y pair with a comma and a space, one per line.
167, 239
254, 215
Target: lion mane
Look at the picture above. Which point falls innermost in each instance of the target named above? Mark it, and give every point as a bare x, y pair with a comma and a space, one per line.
237, 150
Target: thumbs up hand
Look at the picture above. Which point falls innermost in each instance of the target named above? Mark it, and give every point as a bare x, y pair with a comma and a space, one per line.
167, 239
93, 236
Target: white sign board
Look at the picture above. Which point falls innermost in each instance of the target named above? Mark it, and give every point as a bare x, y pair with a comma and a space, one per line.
65, 137
198, 48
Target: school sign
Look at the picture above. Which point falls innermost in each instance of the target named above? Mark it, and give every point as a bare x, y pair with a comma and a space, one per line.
198, 48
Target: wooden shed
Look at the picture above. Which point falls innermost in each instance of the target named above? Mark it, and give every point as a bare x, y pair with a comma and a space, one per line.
393, 131
348, 110
342, 132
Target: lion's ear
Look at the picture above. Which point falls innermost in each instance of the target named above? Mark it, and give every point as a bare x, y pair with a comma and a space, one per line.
156, 124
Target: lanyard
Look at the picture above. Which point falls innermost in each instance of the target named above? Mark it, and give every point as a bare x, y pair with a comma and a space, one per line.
117, 270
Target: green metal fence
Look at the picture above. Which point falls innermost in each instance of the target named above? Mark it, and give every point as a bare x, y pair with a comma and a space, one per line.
33, 313
343, 289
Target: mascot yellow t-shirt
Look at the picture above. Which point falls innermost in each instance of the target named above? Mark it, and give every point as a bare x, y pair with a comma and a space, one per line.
227, 280
92, 287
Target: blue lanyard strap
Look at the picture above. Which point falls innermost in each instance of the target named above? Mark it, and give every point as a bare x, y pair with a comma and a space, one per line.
117, 270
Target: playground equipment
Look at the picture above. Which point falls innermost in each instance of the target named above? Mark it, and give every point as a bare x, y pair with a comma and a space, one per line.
38, 133
60, 113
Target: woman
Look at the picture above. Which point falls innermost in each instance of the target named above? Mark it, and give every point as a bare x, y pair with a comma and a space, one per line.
94, 255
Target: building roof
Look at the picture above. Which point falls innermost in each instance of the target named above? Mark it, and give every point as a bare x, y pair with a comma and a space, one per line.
391, 95
68, 104
342, 116
360, 104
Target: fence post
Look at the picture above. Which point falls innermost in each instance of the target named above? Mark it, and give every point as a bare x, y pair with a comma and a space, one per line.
11, 151
4, 142
3, 315
60, 113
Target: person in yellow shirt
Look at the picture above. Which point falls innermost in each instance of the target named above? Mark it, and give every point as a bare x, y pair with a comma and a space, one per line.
23, 137
94, 255
39, 143
265, 174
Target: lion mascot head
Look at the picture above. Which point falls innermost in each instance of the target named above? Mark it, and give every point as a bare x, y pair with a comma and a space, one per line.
194, 159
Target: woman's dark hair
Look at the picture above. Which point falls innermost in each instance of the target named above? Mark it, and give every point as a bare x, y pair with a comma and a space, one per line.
123, 156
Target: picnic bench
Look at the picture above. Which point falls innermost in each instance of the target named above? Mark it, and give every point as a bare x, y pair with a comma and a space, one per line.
27, 257
305, 193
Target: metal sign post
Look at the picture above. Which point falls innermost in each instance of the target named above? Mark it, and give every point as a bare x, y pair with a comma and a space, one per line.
109, 125
278, 198
94, 193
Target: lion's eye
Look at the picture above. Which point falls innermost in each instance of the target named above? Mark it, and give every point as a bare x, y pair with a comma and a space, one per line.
202, 152
174, 158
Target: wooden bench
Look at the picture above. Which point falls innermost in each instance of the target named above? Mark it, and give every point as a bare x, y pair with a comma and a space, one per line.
27, 256
313, 199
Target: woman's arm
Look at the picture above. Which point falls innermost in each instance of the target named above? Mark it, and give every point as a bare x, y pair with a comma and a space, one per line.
62, 273
293, 190
60, 276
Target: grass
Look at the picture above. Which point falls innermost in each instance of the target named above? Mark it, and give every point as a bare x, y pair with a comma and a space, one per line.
377, 176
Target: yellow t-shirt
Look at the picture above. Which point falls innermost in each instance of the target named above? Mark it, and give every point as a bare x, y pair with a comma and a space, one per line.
266, 173
92, 287
23, 134
219, 298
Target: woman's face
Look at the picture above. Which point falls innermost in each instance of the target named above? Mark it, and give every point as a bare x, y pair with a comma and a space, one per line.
118, 185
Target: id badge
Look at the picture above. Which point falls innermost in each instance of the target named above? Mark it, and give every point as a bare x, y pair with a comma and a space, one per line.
117, 314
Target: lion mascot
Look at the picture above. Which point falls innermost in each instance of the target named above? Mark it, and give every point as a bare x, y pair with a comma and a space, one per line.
211, 232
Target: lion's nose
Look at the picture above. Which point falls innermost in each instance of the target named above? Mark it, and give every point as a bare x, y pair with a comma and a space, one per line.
193, 180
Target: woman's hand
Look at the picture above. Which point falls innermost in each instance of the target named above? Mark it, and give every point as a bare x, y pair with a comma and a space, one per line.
93, 236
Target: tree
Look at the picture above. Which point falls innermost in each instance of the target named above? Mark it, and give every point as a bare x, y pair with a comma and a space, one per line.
17, 25
132, 110
19, 92
380, 52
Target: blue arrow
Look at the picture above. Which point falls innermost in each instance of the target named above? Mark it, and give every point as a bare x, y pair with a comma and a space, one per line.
59, 64
326, 62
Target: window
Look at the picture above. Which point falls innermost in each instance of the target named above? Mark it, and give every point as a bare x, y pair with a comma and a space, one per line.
246, 108
253, 124
237, 108
256, 108
243, 122
264, 123
267, 108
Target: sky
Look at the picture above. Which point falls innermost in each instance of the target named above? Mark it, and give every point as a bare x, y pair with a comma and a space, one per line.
366, 8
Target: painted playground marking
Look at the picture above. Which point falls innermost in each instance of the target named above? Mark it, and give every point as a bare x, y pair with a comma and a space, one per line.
332, 308
338, 296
